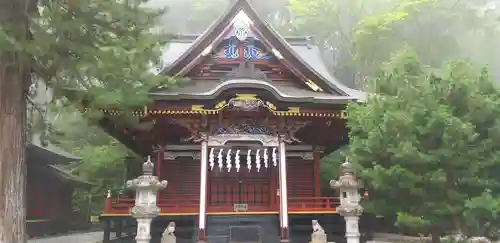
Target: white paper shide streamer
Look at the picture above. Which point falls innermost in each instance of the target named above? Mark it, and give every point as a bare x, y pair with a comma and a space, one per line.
237, 160
262, 159
219, 160
211, 159
228, 161
266, 162
249, 160
257, 160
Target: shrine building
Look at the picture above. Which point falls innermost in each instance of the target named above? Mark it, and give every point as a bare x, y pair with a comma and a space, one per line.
240, 142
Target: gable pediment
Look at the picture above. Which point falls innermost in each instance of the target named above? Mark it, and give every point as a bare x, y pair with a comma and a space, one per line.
241, 35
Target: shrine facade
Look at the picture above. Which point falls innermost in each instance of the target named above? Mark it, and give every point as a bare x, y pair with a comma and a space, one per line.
242, 139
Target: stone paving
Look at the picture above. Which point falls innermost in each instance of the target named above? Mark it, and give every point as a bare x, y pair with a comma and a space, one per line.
89, 237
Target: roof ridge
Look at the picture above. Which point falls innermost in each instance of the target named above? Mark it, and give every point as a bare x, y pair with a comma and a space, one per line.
290, 39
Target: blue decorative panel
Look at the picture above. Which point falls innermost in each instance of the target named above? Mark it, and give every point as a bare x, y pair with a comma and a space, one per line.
231, 49
252, 52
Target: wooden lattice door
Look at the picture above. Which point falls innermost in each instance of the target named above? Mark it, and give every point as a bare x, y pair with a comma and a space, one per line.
243, 187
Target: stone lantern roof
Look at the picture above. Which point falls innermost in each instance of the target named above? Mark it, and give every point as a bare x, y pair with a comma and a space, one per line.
148, 167
348, 179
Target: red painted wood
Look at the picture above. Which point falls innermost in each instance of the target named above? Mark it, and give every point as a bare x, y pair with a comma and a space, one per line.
258, 189
300, 181
159, 161
295, 204
317, 181
183, 176
241, 51
229, 188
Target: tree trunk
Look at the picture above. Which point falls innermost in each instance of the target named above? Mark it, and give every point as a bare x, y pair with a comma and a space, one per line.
12, 159
436, 235
13, 77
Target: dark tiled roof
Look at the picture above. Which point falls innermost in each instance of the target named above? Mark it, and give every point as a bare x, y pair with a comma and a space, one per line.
211, 89
66, 175
309, 54
50, 154
53, 156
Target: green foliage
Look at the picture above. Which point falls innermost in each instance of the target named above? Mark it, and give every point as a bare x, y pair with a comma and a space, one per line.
330, 169
106, 48
411, 224
427, 141
104, 52
360, 35
482, 213
102, 156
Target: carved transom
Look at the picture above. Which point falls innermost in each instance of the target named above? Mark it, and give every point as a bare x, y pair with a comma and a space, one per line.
248, 127
245, 105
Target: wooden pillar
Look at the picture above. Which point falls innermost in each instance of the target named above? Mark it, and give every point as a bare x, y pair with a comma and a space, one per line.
107, 231
272, 186
203, 189
285, 234
159, 160
119, 228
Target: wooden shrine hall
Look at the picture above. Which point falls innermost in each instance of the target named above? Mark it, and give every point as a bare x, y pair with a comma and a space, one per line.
240, 142
50, 190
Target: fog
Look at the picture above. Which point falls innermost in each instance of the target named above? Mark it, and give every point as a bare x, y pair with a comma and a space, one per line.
357, 36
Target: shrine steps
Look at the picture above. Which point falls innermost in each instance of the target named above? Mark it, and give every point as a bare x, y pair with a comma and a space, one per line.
246, 228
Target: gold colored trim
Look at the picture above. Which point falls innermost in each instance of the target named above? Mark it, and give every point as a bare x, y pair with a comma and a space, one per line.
37, 220
246, 96
313, 86
199, 110
207, 50
314, 212
115, 214
340, 114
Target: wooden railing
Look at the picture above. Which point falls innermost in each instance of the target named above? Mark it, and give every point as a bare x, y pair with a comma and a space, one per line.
312, 203
122, 205
179, 205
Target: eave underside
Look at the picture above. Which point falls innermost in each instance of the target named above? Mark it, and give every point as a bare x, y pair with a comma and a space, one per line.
327, 132
211, 89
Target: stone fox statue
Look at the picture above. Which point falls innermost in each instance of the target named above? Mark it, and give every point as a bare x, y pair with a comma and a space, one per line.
318, 235
168, 235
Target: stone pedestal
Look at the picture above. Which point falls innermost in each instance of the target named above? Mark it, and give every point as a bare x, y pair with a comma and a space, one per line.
145, 208
143, 230
352, 228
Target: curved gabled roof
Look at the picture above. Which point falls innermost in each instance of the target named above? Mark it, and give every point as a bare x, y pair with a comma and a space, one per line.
301, 46
212, 89
302, 58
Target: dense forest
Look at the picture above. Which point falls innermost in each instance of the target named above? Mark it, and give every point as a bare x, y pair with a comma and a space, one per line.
367, 45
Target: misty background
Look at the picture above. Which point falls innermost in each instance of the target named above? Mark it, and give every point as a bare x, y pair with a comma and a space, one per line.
357, 36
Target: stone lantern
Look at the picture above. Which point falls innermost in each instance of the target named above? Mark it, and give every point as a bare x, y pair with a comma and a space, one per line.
348, 186
145, 208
